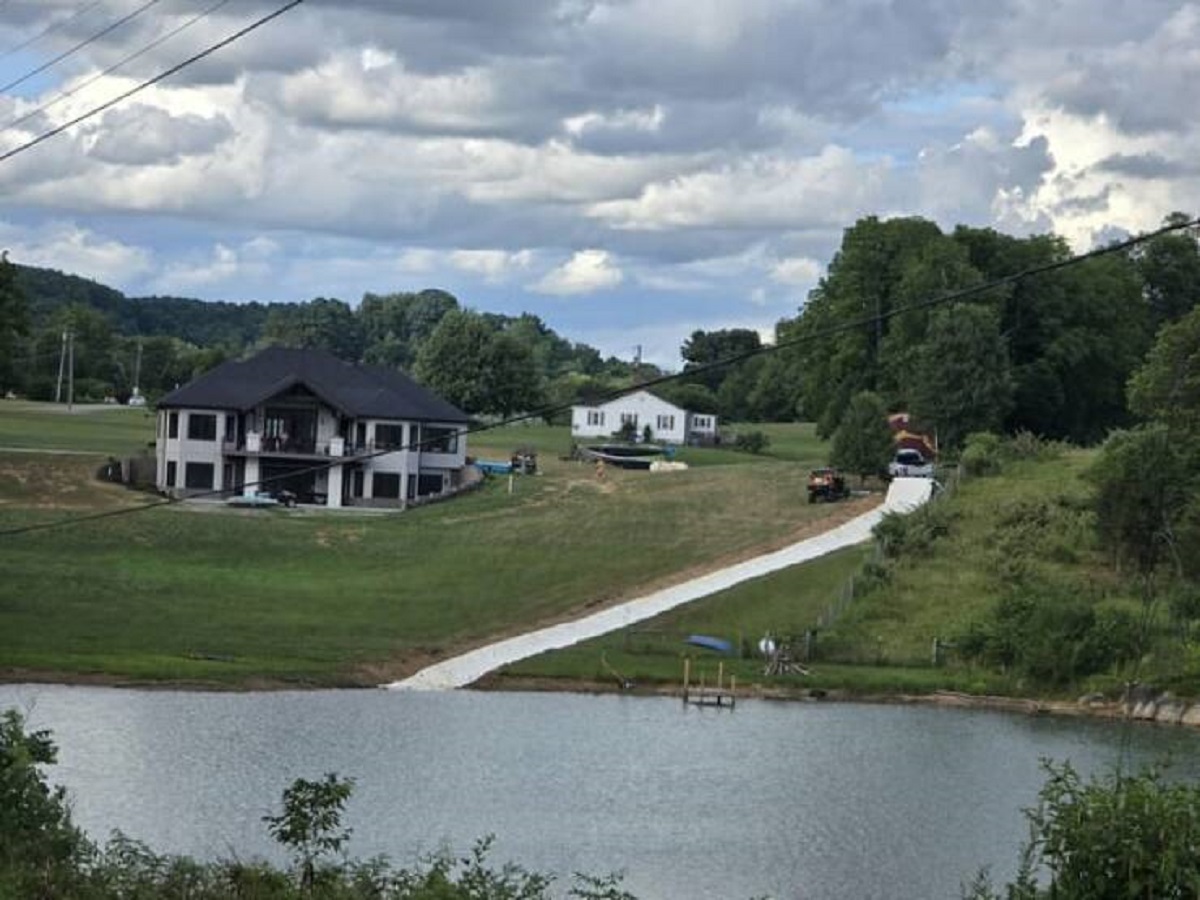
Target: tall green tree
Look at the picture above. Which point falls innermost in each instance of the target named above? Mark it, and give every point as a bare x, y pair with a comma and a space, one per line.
863, 441
1170, 269
960, 380
703, 348
860, 286
476, 368
1167, 386
14, 323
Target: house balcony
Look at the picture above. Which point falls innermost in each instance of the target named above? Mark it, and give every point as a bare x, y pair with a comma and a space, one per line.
257, 446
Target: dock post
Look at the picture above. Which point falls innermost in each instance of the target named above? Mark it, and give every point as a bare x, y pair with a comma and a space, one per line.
687, 673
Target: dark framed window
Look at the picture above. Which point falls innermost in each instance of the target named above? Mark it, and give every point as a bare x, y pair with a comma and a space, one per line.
389, 436
202, 427
230, 427
385, 485
173, 425
172, 472
439, 440
198, 476
357, 490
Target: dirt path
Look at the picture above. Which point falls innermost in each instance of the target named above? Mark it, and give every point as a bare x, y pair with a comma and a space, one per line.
904, 495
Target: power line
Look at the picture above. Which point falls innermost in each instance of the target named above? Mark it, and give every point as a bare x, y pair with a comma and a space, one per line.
52, 27
128, 17
157, 42
822, 334
150, 82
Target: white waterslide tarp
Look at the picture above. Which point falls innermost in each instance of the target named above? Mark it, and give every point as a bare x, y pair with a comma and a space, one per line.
904, 495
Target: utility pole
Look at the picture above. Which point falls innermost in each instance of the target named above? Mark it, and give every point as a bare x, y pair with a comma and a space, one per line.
137, 371
62, 361
70, 371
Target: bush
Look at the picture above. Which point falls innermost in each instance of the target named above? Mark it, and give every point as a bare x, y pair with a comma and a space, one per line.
1111, 838
915, 532
983, 454
751, 442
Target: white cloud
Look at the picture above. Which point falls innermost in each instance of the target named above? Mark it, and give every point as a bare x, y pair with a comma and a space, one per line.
797, 271
585, 272
493, 265
78, 251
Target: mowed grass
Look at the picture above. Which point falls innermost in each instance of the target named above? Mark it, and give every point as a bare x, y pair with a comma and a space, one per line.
109, 430
213, 595
788, 441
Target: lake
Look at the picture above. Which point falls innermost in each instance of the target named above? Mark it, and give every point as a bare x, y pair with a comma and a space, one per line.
791, 800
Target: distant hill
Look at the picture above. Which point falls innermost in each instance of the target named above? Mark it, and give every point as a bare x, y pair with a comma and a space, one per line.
198, 322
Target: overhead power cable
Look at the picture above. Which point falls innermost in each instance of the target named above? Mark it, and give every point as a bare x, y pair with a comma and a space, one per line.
819, 335
150, 82
108, 29
88, 82
52, 27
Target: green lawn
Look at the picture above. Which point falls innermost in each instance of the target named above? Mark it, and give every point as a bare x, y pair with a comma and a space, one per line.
107, 430
217, 595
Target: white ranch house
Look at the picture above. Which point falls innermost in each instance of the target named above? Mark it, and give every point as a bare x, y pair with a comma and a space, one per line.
330, 432
668, 423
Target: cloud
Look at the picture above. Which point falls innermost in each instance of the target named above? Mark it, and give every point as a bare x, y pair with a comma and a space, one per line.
799, 271
1149, 166
585, 272
143, 135
493, 265
78, 251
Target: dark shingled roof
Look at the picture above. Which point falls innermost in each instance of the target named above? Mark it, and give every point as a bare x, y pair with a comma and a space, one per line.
359, 391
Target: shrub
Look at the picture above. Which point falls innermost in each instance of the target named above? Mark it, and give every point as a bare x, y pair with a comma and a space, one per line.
916, 532
1111, 838
983, 454
751, 442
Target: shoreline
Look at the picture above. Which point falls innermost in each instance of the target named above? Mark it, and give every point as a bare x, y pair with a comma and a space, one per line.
1162, 710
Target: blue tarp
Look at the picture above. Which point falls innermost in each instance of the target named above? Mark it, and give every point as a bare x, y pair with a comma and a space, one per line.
494, 466
710, 643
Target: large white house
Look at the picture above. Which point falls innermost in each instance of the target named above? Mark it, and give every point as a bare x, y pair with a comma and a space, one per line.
668, 423
330, 432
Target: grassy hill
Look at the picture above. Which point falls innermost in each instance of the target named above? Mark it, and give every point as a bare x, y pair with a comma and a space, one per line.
211, 595
1022, 543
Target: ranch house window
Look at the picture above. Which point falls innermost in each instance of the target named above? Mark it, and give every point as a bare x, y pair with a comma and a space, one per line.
202, 427
666, 423
595, 417
628, 418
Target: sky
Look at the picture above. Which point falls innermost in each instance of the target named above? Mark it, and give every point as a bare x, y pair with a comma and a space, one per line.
629, 170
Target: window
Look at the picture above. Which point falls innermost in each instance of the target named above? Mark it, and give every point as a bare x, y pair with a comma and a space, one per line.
702, 421
386, 485
172, 468
198, 476
439, 440
360, 434
202, 427
230, 427
173, 425
357, 490
665, 423
429, 484
595, 417
389, 436
629, 419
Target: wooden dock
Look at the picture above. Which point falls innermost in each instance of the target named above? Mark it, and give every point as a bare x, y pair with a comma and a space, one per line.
719, 694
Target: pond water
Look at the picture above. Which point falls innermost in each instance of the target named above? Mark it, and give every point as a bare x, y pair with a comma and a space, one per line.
788, 800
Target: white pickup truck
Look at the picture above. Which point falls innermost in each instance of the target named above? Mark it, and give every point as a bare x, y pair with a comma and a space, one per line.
910, 464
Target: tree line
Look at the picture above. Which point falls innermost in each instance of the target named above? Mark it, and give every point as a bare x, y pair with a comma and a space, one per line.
1049, 354
484, 363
